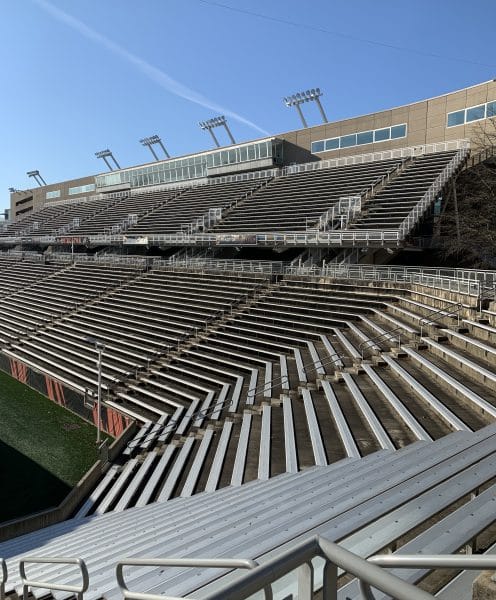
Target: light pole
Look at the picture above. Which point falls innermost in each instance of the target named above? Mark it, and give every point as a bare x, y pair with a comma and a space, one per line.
210, 124
99, 347
107, 154
312, 95
150, 141
37, 177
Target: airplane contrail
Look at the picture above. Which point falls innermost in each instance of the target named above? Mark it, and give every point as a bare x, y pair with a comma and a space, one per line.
153, 73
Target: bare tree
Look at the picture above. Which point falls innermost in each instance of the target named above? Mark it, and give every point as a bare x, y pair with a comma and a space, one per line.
467, 224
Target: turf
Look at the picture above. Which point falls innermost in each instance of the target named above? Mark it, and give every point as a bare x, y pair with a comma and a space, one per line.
44, 450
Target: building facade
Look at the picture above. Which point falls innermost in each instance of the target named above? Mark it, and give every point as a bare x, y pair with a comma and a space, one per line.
463, 114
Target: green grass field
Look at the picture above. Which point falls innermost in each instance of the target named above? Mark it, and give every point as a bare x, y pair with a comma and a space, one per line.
44, 450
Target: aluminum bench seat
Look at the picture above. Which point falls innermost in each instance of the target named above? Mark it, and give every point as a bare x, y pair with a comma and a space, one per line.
123, 323
438, 407
345, 512
128, 332
81, 332
141, 389
395, 323
140, 476
169, 385
120, 482
203, 504
373, 422
489, 352
347, 438
32, 343
451, 381
347, 345
77, 341
98, 492
141, 403
42, 360
397, 405
241, 450
447, 536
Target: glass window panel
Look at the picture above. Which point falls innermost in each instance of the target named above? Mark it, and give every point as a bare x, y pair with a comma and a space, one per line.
232, 156
398, 131
348, 140
318, 146
251, 152
243, 154
491, 109
476, 113
382, 134
456, 118
367, 137
332, 144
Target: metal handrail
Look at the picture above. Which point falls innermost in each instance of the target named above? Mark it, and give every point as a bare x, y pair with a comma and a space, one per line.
3, 580
209, 563
426, 320
256, 391
299, 558
78, 590
427, 561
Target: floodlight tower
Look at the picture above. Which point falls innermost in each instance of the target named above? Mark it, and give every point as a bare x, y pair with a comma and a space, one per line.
312, 95
107, 154
154, 139
37, 177
216, 122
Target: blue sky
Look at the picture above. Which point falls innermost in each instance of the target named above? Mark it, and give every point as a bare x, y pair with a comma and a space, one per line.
82, 75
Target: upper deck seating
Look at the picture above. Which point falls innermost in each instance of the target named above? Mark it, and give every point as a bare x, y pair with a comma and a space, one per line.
391, 205
120, 215
295, 202
191, 205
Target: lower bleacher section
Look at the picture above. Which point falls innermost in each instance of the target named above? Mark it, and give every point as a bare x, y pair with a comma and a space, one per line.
386, 499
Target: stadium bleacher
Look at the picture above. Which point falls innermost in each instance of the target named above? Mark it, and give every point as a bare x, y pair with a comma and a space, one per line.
273, 402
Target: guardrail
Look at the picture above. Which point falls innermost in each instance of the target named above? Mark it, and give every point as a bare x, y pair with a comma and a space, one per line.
427, 561
428, 198
356, 159
78, 590
261, 578
206, 563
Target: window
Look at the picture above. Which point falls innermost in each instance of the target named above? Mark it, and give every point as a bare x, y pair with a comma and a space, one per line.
398, 131
367, 137
82, 189
318, 146
360, 138
473, 113
53, 194
332, 144
456, 118
476, 113
190, 167
380, 135
346, 141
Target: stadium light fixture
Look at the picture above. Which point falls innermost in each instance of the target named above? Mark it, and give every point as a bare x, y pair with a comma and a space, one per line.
99, 347
312, 95
210, 124
37, 177
107, 154
154, 139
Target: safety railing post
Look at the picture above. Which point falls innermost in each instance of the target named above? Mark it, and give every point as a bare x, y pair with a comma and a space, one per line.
305, 581
330, 581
